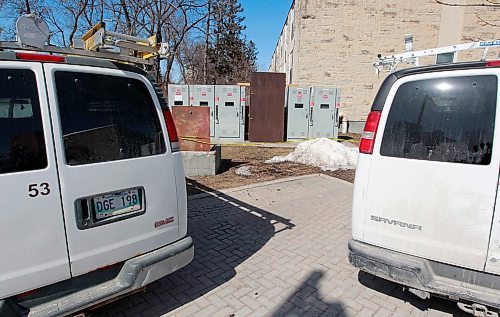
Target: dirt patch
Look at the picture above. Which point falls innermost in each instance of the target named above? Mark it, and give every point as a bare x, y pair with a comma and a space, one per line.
234, 157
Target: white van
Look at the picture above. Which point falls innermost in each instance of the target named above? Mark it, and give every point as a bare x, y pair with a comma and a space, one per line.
425, 209
92, 182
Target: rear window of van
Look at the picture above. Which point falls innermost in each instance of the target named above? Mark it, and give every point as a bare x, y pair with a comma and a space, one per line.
106, 118
22, 144
445, 119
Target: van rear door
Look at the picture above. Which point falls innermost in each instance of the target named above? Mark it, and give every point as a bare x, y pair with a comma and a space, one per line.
116, 169
434, 170
34, 251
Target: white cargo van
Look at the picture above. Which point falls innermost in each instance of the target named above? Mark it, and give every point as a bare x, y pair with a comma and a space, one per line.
425, 209
92, 183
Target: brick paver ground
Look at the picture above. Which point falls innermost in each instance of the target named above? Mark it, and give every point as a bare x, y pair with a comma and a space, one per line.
274, 250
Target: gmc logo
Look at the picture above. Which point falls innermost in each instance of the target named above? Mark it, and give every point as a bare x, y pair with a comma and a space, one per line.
164, 222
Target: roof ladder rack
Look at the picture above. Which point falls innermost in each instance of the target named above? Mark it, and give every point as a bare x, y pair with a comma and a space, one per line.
33, 34
446, 54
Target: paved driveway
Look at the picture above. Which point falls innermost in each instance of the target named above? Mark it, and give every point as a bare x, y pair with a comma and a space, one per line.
272, 250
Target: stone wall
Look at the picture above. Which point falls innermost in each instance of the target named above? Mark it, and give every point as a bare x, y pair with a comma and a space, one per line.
335, 42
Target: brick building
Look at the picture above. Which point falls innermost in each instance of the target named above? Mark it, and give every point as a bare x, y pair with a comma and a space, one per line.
333, 43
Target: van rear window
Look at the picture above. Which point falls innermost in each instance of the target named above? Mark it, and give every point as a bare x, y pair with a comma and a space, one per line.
447, 120
106, 118
22, 144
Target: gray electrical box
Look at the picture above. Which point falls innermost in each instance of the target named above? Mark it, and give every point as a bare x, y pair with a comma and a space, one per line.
204, 95
228, 112
323, 112
298, 111
227, 107
178, 95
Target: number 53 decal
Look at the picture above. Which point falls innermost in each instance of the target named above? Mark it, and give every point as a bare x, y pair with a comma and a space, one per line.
34, 190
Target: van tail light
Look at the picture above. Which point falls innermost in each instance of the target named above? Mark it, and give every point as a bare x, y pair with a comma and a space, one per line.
36, 57
172, 130
369, 133
493, 63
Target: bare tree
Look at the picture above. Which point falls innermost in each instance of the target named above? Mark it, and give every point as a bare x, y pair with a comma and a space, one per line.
190, 27
75, 10
207, 41
171, 20
190, 58
94, 12
185, 18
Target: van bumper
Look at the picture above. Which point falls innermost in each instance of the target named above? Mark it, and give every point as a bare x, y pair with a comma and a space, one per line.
448, 281
135, 274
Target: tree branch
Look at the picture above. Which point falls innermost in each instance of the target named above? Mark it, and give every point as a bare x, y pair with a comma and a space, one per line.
483, 22
491, 3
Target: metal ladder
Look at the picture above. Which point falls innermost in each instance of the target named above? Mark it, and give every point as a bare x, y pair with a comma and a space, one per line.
391, 62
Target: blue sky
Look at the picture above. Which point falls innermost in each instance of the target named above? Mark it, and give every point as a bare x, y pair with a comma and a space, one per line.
264, 20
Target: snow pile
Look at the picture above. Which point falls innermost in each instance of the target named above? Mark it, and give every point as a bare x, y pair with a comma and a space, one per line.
243, 171
324, 153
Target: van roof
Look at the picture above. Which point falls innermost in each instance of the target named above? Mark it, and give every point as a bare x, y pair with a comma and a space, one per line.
383, 92
83, 61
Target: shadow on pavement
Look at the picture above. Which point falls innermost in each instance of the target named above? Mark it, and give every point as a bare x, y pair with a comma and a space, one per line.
306, 300
227, 164
226, 232
395, 290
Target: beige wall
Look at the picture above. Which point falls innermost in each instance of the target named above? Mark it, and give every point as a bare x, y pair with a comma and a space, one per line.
451, 23
335, 42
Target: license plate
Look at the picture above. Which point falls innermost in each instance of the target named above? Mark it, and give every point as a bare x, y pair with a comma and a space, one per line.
117, 203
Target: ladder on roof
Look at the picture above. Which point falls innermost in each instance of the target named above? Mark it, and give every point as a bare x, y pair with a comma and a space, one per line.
33, 34
446, 54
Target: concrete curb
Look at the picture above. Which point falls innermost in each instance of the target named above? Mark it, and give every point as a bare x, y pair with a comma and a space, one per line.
216, 193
